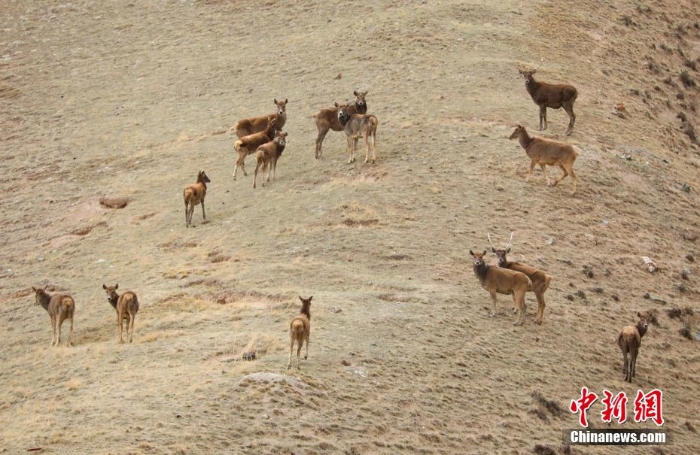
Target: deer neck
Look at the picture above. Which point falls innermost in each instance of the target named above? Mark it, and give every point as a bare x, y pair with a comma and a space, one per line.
524, 139
480, 271
642, 330
44, 300
531, 86
113, 300
305, 312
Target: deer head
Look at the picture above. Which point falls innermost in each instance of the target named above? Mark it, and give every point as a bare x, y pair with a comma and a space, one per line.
281, 106
501, 252
342, 113
478, 258
280, 138
112, 296
202, 177
360, 98
516, 133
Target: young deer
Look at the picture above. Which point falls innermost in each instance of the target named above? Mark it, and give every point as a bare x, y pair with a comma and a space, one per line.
299, 330
548, 152
253, 125
60, 307
268, 154
327, 119
127, 305
540, 280
630, 339
502, 281
554, 96
357, 126
249, 144
194, 194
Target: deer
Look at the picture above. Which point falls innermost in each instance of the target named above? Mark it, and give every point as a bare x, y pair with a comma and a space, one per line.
126, 305
327, 119
60, 307
267, 156
552, 96
193, 195
249, 144
630, 339
356, 126
540, 280
502, 281
299, 330
253, 125
547, 152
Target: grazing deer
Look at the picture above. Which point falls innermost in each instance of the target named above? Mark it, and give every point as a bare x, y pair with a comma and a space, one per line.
548, 152
268, 154
327, 119
253, 125
60, 307
127, 305
630, 339
540, 280
554, 96
194, 194
299, 330
502, 281
358, 126
249, 144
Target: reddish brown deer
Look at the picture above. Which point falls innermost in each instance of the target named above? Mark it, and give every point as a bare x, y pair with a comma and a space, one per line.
253, 125
126, 305
540, 280
60, 307
267, 156
299, 330
554, 96
630, 339
194, 194
547, 152
502, 281
327, 119
358, 126
249, 144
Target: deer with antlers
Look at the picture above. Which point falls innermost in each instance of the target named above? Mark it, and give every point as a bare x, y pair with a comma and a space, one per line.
540, 280
554, 96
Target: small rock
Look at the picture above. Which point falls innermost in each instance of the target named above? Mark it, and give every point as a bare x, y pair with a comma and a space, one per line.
570, 297
336, 310
685, 274
549, 241
685, 188
689, 258
345, 363
589, 273
690, 236
581, 294
615, 297
654, 298
651, 265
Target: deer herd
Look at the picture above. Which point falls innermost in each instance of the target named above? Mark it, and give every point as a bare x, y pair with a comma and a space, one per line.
263, 137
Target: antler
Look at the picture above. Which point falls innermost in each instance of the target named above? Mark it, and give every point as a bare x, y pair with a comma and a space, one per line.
510, 242
488, 235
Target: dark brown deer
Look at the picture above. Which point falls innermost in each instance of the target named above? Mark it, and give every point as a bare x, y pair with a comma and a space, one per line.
554, 96
358, 126
629, 340
547, 152
502, 281
60, 307
247, 145
253, 125
327, 119
540, 280
299, 330
267, 156
193, 195
126, 305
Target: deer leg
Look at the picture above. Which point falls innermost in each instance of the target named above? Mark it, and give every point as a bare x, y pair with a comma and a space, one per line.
269, 171
291, 349
565, 173
319, 141
543, 117
519, 304
53, 330
70, 334
493, 303
569, 108
131, 331
186, 219
573, 179
120, 323
299, 343
539, 319
273, 169
544, 171
59, 322
306, 356
255, 177
204, 215
632, 372
532, 170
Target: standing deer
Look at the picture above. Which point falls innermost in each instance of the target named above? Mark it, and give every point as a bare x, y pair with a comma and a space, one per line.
327, 119
60, 307
554, 96
193, 195
126, 305
502, 281
358, 126
253, 125
629, 340
540, 280
299, 330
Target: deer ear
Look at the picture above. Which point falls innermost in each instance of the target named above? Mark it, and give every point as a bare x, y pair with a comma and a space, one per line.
639, 314
104, 287
484, 253
116, 286
300, 298
493, 250
275, 100
336, 104
311, 297
507, 250
471, 252
33, 289
286, 100
354, 92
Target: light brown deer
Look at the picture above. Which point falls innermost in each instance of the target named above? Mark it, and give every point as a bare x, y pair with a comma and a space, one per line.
249, 144
358, 126
629, 340
547, 152
267, 156
299, 330
126, 305
60, 307
194, 194
502, 281
540, 280
327, 119
554, 96
253, 125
